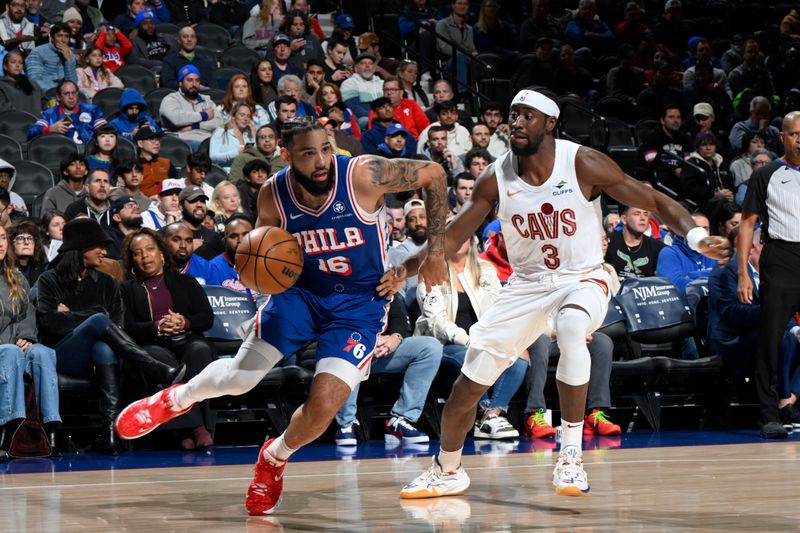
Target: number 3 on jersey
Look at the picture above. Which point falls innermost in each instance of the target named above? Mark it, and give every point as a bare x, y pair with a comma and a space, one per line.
551, 259
336, 265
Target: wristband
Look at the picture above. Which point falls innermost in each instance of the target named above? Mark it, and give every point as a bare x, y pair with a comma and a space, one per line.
694, 236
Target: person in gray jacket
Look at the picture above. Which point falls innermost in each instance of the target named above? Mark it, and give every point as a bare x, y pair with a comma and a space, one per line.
70, 187
187, 112
20, 352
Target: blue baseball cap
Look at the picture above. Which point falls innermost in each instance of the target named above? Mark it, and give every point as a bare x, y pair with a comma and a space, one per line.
345, 21
141, 16
396, 128
185, 71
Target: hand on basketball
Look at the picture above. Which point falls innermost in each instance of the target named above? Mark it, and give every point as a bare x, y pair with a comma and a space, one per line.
745, 290
716, 247
392, 281
433, 270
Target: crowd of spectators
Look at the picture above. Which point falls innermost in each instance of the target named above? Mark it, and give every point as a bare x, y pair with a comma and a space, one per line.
150, 231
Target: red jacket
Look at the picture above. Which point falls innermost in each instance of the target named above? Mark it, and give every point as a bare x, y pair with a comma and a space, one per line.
500, 262
114, 56
410, 115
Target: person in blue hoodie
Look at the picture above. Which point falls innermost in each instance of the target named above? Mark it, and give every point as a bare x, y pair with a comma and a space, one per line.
394, 142
132, 115
682, 265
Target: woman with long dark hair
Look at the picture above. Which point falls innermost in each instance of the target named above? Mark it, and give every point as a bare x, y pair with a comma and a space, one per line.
29, 253
304, 44
167, 313
80, 312
262, 83
19, 351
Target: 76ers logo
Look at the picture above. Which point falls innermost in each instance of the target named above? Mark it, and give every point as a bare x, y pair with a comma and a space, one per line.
354, 344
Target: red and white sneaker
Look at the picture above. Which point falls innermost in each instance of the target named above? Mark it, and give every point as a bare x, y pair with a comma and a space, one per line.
264, 493
143, 416
597, 423
537, 427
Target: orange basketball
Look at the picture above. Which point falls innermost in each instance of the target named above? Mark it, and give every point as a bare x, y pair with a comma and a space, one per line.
269, 260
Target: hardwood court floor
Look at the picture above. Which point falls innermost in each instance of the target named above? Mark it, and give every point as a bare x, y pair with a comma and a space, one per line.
716, 488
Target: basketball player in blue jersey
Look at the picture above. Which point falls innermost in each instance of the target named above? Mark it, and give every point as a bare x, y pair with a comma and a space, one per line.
547, 194
334, 206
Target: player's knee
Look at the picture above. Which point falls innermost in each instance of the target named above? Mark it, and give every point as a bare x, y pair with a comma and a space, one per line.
574, 365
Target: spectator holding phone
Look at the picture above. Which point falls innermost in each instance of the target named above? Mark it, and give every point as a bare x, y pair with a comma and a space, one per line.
133, 115
69, 118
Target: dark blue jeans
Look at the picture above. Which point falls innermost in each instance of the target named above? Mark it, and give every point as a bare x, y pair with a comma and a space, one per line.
503, 389
82, 348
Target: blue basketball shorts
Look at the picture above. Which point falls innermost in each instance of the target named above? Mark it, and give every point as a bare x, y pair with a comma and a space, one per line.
345, 325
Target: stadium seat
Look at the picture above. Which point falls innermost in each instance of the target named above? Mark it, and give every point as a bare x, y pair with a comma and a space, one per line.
626, 157
137, 77
575, 121
153, 99
614, 323
231, 309
15, 124
208, 53
655, 310
167, 28
213, 37
609, 131
36, 206
216, 95
10, 149
603, 65
624, 110
697, 298
204, 147
32, 180
495, 66
216, 175
174, 149
223, 74
108, 100
49, 150
240, 57
644, 127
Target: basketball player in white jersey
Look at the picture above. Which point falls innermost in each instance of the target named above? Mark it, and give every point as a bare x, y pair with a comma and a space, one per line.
548, 196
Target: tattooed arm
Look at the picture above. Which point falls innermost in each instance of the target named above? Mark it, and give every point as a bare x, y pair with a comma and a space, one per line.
375, 176
461, 227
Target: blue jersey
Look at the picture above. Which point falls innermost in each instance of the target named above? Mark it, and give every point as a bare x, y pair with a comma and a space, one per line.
344, 248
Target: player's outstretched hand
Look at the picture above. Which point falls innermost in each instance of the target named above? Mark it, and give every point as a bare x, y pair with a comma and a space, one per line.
433, 270
392, 281
716, 247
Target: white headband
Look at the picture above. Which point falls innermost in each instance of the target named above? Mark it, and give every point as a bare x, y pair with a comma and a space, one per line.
537, 101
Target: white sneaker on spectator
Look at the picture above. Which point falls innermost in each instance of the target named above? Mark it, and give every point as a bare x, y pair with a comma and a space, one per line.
495, 427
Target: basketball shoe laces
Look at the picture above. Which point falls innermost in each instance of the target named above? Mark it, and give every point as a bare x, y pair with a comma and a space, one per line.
599, 417
264, 493
537, 419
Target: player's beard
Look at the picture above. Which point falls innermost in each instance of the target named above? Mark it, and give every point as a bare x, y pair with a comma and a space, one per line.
529, 149
312, 186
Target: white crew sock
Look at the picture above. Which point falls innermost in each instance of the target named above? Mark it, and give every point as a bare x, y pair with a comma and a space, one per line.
572, 434
450, 461
279, 450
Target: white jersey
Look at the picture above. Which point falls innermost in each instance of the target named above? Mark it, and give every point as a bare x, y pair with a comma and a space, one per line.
552, 227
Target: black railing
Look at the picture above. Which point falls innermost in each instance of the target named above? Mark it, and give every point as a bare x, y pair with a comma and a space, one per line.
458, 85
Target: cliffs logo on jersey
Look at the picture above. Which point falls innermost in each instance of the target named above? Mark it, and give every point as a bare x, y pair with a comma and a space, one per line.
561, 188
323, 240
546, 224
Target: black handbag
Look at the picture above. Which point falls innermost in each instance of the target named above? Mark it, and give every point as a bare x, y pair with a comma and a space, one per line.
30, 439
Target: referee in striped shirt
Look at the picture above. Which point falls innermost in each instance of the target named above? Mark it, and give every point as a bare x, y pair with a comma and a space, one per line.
773, 196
